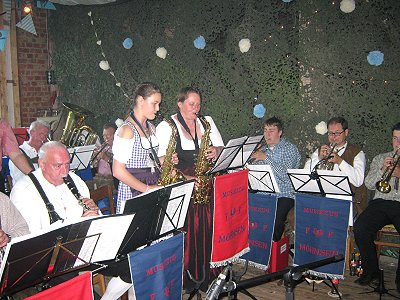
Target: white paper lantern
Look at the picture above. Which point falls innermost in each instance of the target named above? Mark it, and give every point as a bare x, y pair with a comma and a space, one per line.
161, 52
244, 45
104, 65
321, 128
347, 6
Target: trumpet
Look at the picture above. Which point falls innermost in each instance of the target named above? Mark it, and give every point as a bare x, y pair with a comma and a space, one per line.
95, 159
325, 164
383, 184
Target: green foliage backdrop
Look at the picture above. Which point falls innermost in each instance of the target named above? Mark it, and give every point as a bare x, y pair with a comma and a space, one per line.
307, 62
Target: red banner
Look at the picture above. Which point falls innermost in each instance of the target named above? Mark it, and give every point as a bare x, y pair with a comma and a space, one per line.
231, 218
78, 288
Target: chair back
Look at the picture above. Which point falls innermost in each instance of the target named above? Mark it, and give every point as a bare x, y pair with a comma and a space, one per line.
105, 191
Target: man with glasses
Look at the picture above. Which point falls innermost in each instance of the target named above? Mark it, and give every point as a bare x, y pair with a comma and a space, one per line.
346, 157
384, 209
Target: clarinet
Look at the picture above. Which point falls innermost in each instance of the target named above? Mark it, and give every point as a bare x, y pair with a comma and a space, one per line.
74, 190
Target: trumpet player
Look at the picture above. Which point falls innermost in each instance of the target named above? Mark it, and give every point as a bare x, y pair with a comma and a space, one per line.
345, 157
103, 155
384, 209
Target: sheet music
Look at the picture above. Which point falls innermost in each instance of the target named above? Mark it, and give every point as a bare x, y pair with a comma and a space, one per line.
302, 182
261, 178
81, 156
335, 182
112, 231
177, 207
247, 150
224, 159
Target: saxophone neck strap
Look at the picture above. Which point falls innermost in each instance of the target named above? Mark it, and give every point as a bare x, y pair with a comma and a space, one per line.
53, 215
186, 127
153, 154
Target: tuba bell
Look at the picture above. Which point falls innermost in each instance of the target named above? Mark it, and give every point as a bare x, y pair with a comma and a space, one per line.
75, 133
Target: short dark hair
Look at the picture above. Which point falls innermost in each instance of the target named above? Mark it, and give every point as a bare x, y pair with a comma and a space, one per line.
396, 127
110, 125
274, 121
339, 120
145, 89
184, 93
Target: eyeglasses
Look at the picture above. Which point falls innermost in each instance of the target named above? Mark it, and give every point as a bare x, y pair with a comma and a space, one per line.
335, 133
396, 138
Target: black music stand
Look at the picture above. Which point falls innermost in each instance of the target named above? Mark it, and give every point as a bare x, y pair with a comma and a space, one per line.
157, 214
236, 153
262, 179
80, 157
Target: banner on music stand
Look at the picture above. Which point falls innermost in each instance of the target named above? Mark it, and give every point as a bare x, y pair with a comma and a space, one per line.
77, 288
157, 270
321, 232
231, 220
262, 210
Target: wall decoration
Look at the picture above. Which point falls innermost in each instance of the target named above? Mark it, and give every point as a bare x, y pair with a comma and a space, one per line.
200, 42
375, 58
347, 6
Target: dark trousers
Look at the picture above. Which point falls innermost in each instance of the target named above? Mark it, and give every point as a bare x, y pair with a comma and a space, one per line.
378, 213
283, 207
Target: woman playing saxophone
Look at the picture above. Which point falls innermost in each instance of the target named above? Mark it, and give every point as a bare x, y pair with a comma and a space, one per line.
195, 145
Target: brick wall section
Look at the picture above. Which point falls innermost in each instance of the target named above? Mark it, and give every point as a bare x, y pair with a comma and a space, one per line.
32, 66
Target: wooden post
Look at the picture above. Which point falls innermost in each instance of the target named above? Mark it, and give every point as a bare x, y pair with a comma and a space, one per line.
14, 66
3, 85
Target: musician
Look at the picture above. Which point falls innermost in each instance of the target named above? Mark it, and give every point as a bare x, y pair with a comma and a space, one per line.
346, 157
190, 130
38, 135
103, 154
12, 222
54, 161
384, 209
281, 155
9, 147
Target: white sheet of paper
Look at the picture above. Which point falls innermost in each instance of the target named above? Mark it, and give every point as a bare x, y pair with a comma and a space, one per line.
261, 178
82, 156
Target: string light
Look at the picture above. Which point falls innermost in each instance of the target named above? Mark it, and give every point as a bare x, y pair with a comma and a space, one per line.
27, 7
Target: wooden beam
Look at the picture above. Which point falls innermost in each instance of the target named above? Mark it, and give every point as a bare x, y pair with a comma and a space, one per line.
14, 67
3, 85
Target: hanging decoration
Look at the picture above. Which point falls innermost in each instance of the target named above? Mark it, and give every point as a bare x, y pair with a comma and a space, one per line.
287, 1
127, 43
200, 42
161, 52
27, 24
321, 128
104, 64
259, 111
45, 5
375, 58
347, 6
3, 39
244, 45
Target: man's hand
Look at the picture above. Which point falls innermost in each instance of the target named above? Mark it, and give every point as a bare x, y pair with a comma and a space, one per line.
259, 155
94, 210
4, 239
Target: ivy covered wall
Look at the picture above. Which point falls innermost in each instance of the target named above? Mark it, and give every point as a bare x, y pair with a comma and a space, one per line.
307, 62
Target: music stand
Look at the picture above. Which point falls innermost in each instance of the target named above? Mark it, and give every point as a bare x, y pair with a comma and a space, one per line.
80, 157
36, 258
236, 153
262, 179
157, 214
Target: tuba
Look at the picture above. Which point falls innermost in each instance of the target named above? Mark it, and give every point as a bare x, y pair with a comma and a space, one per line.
202, 192
325, 164
167, 165
75, 133
383, 185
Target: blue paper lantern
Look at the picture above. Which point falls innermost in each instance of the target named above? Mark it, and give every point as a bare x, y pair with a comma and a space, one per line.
128, 43
199, 42
287, 1
375, 58
259, 111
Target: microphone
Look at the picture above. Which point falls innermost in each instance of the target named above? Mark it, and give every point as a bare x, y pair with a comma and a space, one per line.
215, 288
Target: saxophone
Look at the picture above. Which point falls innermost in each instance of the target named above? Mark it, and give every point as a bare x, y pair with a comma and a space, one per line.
167, 165
202, 192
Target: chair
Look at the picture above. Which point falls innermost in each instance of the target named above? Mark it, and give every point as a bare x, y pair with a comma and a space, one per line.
386, 231
106, 191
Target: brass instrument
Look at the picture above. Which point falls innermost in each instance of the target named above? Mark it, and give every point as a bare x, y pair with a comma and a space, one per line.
325, 164
167, 165
74, 190
202, 192
94, 161
383, 185
75, 133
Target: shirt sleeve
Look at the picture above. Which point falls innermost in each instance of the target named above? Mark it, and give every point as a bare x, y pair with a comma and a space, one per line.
163, 134
215, 136
312, 161
122, 149
356, 172
12, 221
375, 173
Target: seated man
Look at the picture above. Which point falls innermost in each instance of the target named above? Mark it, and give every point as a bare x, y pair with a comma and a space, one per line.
38, 134
12, 222
384, 209
43, 197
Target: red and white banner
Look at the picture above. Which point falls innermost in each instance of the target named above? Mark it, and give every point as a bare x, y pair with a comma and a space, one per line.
231, 218
77, 288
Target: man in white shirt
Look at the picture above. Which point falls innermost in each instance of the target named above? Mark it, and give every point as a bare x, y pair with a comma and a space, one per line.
61, 203
346, 157
38, 133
